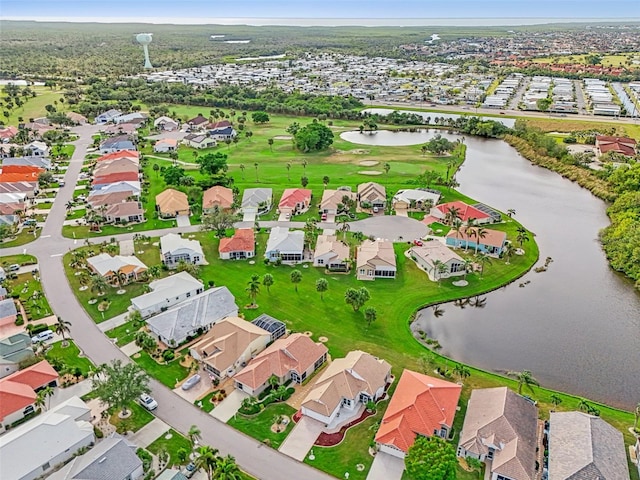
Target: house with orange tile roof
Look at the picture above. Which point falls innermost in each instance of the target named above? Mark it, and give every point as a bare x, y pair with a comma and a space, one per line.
171, 203
421, 405
118, 165
131, 154
217, 196
621, 145
119, 268
346, 386
18, 391
464, 212
295, 200
240, 246
293, 358
489, 241
229, 345
115, 178
165, 145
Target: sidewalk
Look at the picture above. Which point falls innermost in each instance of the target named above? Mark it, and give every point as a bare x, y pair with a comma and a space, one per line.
149, 433
113, 322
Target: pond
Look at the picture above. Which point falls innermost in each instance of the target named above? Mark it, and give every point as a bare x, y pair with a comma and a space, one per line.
507, 122
389, 138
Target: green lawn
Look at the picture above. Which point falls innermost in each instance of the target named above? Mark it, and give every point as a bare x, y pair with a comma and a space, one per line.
70, 356
34, 107
207, 406
123, 334
171, 446
169, 374
28, 289
138, 419
75, 214
259, 426
19, 259
25, 236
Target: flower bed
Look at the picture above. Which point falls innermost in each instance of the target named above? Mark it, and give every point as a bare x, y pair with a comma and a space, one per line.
332, 439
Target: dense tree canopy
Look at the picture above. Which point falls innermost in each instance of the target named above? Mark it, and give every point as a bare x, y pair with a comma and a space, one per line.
213, 163
431, 458
313, 137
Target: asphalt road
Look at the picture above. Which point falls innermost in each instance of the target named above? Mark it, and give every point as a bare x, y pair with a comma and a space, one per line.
260, 461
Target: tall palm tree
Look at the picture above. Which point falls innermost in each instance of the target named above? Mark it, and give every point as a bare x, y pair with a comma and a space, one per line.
525, 379
470, 231
47, 392
98, 284
344, 226
227, 469
522, 236
467, 265
253, 288
194, 435
583, 405
508, 251
483, 259
289, 171
457, 227
242, 167
206, 460
439, 268
556, 400
296, 278
41, 400
452, 214
481, 233
256, 167
61, 327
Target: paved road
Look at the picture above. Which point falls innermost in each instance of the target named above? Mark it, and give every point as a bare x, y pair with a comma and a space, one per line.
256, 459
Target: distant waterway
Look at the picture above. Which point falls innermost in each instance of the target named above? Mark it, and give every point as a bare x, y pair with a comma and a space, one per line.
507, 122
575, 326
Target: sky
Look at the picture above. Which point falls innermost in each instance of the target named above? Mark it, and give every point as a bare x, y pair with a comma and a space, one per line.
247, 11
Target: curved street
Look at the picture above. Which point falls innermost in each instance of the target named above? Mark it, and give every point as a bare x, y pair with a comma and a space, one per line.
260, 461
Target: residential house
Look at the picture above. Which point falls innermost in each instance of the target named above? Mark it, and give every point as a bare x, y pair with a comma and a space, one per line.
346, 386
107, 199
199, 141
420, 406
294, 201
171, 474
332, 200
293, 358
193, 316
107, 116
7, 133
36, 149
28, 161
229, 345
8, 312
10, 150
18, 392
415, 199
275, 327
13, 350
132, 188
129, 129
375, 259
166, 124
331, 253
256, 200
197, 122
77, 118
117, 144
501, 429
28, 188
175, 249
59, 434
114, 458
166, 145
128, 154
113, 178
240, 246
119, 165
171, 203
136, 117
12, 203
118, 269
217, 196
434, 253
284, 245
125, 212
465, 212
584, 447
222, 134
372, 195
620, 145
167, 292
17, 174
492, 242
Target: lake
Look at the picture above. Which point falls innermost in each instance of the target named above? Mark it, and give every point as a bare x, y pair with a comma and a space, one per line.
389, 138
507, 122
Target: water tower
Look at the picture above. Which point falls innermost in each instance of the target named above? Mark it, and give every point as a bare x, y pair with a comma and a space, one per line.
144, 39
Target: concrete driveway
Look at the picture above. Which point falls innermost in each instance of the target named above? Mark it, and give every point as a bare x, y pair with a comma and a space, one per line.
391, 227
149, 433
229, 406
386, 467
301, 438
63, 394
183, 221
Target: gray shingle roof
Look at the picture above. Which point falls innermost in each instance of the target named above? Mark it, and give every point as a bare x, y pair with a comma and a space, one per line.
15, 348
585, 447
7, 308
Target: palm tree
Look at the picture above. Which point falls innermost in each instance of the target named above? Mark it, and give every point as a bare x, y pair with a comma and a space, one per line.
481, 233
370, 315
242, 168
457, 227
556, 400
525, 379
583, 405
47, 392
636, 413
522, 236
253, 288
256, 167
194, 435
508, 251
344, 226
206, 460
439, 268
304, 167
154, 271
289, 171
452, 214
296, 278
267, 281
461, 371
322, 286
467, 265
386, 167
61, 327
483, 259
98, 284
41, 399
511, 212
270, 142
227, 469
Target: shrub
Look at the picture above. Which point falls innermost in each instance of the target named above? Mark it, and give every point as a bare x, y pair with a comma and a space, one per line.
97, 432
146, 458
168, 355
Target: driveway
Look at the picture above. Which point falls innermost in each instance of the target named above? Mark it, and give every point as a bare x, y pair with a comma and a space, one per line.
249, 217
386, 467
301, 438
229, 406
391, 227
183, 221
149, 433
63, 394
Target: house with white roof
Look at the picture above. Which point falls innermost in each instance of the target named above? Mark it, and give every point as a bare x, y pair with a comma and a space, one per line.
434, 253
124, 186
415, 198
107, 116
114, 458
28, 161
130, 117
50, 439
175, 249
199, 141
193, 316
36, 149
166, 124
118, 268
167, 292
256, 200
285, 245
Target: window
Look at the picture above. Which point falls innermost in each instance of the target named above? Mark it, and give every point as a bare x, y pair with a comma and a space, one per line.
320, 261
188, 294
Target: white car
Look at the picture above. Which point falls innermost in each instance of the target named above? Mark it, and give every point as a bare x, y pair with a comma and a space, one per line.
42, 336
148, 402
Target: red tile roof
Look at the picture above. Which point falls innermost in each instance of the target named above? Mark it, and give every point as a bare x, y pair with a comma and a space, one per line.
18, 177
292, 196
35, 376
116, 177
420, 405
623, 145
465, 212
14, 397
22, 169
120, 154
243, 240
8, 132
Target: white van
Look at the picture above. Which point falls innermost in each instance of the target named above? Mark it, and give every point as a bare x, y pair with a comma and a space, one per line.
42, 336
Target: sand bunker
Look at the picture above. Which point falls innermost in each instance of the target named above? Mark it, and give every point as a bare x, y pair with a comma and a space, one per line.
283, 137
369, 172
368, 163
355, 151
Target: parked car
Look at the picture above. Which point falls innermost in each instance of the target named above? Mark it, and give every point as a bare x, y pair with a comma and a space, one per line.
418, 243
376, 209
42, 336
14, 268
191, 382
148, 402
323, 217
29, 222
189, 470
61, 183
